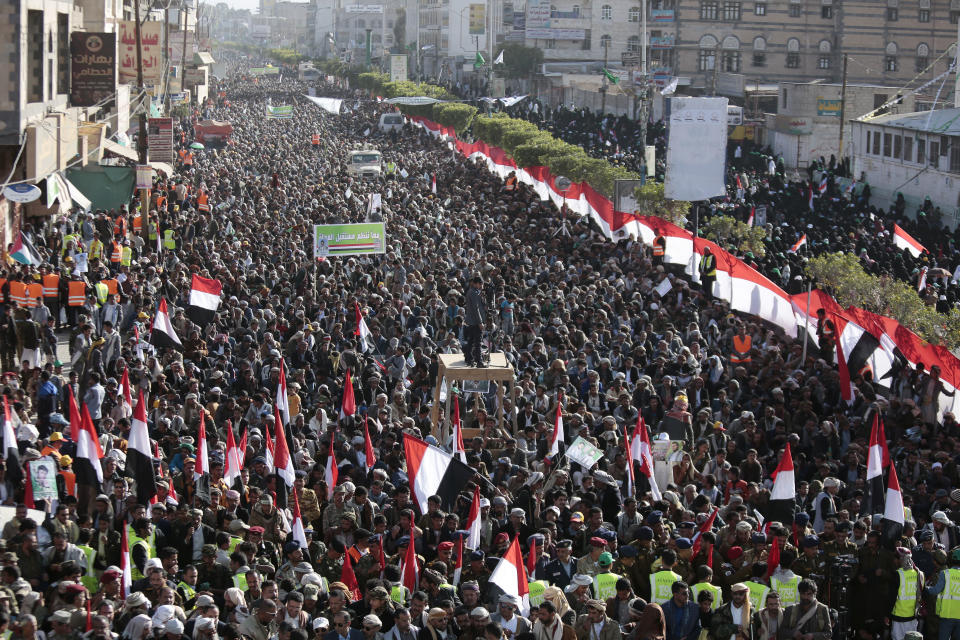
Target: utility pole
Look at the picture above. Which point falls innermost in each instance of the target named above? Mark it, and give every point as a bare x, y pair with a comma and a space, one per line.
491, 39
142, 137
716, 69
603, 85
644, 78
843, 109
183, 61
166, 59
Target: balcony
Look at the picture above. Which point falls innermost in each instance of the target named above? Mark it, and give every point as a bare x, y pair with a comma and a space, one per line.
662, 42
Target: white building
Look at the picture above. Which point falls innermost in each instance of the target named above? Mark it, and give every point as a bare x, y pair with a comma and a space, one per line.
916, 154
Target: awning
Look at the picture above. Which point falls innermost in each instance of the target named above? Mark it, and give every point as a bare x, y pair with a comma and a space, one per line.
124, 152
163, 168
76, 196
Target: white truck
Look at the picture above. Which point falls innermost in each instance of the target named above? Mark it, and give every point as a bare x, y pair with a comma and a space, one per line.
365, 163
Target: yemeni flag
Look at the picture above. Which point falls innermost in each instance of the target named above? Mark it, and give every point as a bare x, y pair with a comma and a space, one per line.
126, 399
172, 493
299, 533
368, 453
459, 449
201, 472
268, 446
410, 572
24, 252
773, 559
846, 385
705, 527
891, 527
878, 458
799, 243
363, 331
139, 459
87, 466
433, 179
11, 453
511, 577
331, 472
283, 401
557, 437
863, 351
903, 240
204, 300
162, 334
629, 483
532, 560
282, 459
810, 197
473, 521
232, 465
126, 580
433, 471
783, 496
348, 406
349, 578
753, 211
823, 185
641, 451
458, 567
242, 448
381, 558
922, 280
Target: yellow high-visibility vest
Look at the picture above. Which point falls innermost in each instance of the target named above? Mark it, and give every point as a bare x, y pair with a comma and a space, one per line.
661, 585
948, 602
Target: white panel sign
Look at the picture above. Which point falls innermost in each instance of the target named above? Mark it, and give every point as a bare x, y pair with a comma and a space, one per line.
696, 148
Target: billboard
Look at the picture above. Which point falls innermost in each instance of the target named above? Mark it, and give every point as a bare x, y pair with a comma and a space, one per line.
151, 47
330, 240
160, 139
398, 67
93, 67
478, 19
828, 107
538, 14
696, 144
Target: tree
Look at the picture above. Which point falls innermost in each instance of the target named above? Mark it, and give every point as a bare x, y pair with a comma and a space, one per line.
842, 275
728, 230
519, 61
652, 202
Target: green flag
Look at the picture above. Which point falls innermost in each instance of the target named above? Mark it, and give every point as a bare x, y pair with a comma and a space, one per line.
612, 78
479, 62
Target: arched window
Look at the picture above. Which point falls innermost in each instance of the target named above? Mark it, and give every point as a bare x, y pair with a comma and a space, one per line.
605, 41
708, 42
890, 63
633, 44
707, 56
824, 59
731, 43
730, 60
759, 52
634, 14
606, 12
793, 45
923, 57
824, 46
759, 44
793, 53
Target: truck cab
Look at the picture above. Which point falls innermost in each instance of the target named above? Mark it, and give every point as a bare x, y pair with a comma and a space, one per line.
365, 163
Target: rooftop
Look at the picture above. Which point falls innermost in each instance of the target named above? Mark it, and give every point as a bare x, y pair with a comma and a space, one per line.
942, 121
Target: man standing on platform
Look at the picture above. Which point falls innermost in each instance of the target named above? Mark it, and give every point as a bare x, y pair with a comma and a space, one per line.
474, 316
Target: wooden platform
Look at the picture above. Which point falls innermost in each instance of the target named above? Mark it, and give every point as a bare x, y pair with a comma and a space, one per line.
454, 368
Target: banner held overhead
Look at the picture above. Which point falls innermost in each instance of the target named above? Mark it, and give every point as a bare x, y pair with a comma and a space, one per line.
349, 239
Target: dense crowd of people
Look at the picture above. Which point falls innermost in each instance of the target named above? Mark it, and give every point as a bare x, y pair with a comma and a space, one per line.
589, 339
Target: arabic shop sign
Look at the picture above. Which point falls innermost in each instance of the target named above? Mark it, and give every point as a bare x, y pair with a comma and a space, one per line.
93, 69
151, 39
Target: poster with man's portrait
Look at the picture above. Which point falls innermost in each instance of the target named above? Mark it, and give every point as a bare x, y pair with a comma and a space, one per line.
43, 479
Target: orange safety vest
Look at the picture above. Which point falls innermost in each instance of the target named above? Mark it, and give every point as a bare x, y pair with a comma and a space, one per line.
70, 482
138, 224
51, 286
203, 201
659, 246
3, 296
189, 159
741, 349
161, 201
18, 293
120, 226
117, 253
183, 155
113, 287
76, 293
511, 183
33, 292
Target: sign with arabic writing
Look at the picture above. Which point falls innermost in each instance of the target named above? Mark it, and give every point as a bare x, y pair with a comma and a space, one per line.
93, 68
151, 41
349, 239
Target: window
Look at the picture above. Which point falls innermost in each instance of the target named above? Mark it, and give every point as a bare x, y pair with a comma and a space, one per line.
897, 146
606, 12
921, 151
887, 144
633, 44
907, 149
709, 10
34, 65
923, 15
824, 59
63, 53
954, 16
826, 12
731, 11
759, 52
892, 14
634, 14
793, 53
586, 45
876, 143
890, 63
784, 98
605, 41
955, 158
706, 60
879, 99
795, 10
934, 154
823, 62
868, 142
923, 57
731, 61
760, 9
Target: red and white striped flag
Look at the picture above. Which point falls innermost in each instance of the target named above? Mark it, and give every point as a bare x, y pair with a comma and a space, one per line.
640, 450
799, 243
331, 472
905, 241
459, 449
